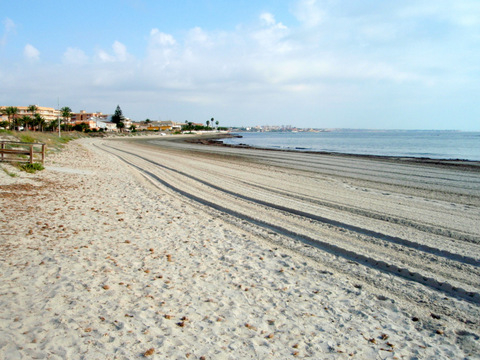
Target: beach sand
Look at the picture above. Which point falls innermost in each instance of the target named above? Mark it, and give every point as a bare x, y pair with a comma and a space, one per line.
123, 249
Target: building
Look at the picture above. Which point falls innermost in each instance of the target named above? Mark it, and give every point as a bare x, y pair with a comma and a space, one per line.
106, 125
169, 125
97, 121
47, 113
83, 116
157, 126
91, 119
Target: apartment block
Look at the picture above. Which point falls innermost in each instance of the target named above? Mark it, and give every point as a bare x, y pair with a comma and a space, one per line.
47, 113
83, 116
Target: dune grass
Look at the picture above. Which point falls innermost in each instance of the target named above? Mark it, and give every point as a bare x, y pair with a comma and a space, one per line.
9, 173
53, 141
31, 168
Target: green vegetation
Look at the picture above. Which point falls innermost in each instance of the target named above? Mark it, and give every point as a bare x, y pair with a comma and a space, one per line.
12, 113
81, 127
31, 168
52, 140
26, 137
66, 113
118, 118
8, 172
6, 132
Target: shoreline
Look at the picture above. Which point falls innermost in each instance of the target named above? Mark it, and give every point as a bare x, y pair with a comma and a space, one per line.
216, 141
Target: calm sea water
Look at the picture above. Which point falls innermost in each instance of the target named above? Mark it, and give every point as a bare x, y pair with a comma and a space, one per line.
426, 144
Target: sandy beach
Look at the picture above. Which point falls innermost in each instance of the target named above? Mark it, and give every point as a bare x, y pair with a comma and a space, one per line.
133, 248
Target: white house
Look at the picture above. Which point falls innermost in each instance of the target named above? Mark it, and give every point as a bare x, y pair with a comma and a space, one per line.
106, 125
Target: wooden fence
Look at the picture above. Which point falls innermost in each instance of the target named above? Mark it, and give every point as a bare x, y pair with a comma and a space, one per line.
22, 152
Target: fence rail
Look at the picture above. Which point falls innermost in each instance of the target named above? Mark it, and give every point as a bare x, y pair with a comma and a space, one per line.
16, 151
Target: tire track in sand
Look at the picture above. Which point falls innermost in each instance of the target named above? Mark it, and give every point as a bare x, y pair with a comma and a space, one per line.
367, 260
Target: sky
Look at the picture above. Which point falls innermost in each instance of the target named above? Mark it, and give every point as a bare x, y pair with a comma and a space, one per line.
370, 64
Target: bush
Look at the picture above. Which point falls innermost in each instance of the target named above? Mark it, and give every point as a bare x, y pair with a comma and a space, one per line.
31, 168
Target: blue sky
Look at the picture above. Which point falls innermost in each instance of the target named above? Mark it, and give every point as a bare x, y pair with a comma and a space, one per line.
410, 64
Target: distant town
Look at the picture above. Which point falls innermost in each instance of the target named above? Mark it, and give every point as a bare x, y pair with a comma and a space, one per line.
277, 128
40, 118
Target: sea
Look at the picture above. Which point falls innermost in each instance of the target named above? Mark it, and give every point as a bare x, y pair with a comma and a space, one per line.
458, 145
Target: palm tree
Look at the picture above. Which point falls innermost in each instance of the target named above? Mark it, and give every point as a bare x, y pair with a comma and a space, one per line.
66, 113
208, 123
39, 121
33, 110
12, 112
25, 121
216, 123
188, 125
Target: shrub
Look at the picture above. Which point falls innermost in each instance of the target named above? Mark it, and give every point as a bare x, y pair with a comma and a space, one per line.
31, 168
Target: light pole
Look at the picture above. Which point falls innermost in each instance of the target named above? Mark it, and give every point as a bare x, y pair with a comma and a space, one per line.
58, 117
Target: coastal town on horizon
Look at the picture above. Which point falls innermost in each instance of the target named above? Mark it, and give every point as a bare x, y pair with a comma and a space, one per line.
99, 121
34, 116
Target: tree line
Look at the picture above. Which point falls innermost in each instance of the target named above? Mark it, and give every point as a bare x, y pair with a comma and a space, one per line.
189, 126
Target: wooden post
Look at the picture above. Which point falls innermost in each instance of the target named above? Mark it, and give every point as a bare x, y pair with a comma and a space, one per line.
31, 154
43, 153
3, 147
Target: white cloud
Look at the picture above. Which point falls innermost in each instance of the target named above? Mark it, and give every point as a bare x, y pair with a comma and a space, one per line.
161, 53
464, 13
268, 18
197, 36
9, 27
272, 37
309, 13
120, 53
103, 56
31, 53
74, 56
158, 38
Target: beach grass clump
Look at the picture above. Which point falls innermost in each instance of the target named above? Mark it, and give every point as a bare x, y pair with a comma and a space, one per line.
31, 168
9, 173
27, 138
6, 132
